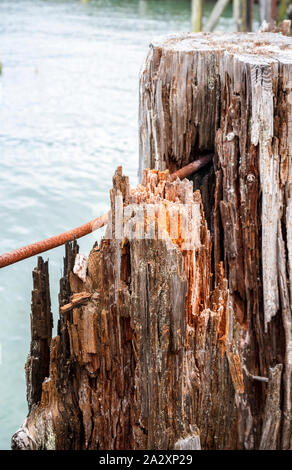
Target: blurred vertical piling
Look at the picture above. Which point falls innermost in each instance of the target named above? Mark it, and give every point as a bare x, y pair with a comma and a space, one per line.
215, 15
243, 15
197, 14
179, 336
282, 10
267, 10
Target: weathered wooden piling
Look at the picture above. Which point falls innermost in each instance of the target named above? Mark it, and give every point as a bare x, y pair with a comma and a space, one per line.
283, 9
243, 15
181, 334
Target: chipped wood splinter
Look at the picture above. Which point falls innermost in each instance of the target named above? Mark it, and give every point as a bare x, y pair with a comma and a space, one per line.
76, 300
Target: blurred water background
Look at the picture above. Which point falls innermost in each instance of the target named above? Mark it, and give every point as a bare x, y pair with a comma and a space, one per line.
68, 118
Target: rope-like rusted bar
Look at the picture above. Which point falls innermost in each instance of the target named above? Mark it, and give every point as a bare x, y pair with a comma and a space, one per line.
191, 168
53, 242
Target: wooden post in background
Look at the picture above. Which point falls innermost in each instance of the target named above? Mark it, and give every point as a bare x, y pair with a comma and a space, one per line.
197, 15
282, 10
250, 15
267, 10
243, 15
215, 15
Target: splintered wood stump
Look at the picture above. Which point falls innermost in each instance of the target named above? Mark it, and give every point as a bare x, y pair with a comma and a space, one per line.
178, 333
124, 365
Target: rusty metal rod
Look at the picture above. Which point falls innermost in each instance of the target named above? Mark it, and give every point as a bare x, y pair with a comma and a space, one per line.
53, 242
191, 168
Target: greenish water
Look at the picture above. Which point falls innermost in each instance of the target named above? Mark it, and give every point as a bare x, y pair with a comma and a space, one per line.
68, 116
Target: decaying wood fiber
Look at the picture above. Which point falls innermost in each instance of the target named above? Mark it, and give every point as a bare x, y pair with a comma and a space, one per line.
180, 335
232, 94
